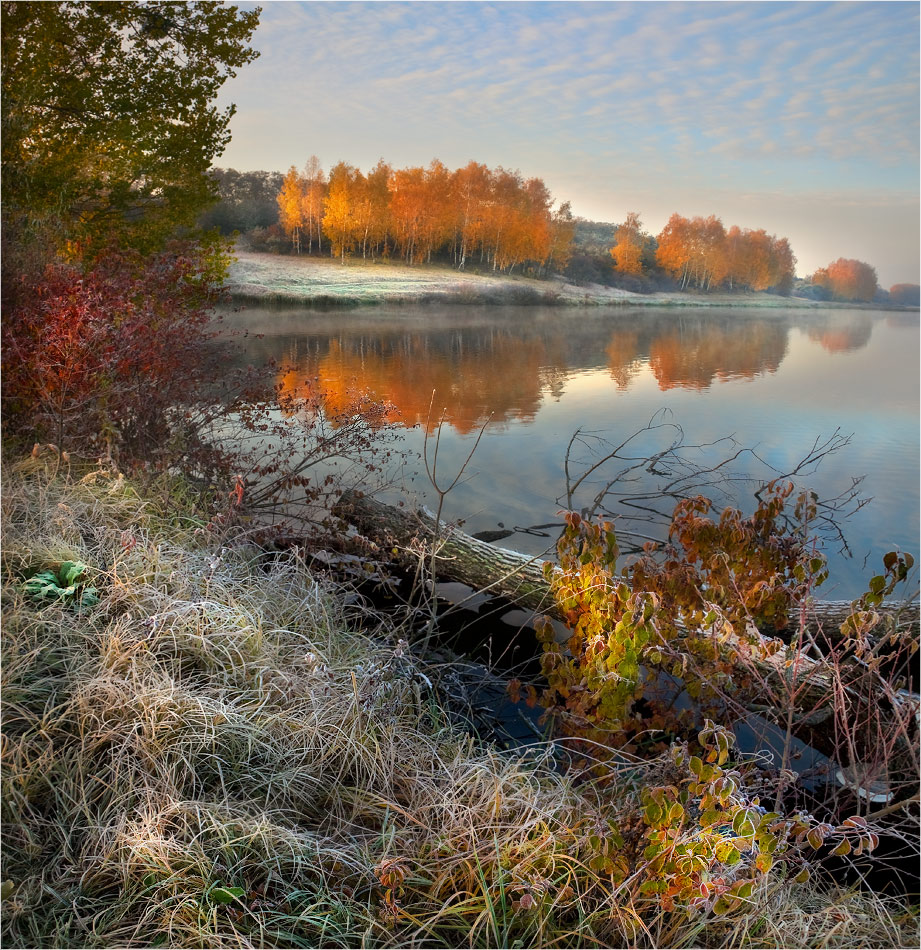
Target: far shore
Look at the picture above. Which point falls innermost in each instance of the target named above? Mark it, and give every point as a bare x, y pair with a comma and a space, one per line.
274, 279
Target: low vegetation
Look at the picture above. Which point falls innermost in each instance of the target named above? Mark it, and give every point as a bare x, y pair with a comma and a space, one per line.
206, 743
220, 752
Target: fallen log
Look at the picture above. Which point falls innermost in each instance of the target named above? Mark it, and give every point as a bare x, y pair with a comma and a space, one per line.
517, 577
407, 534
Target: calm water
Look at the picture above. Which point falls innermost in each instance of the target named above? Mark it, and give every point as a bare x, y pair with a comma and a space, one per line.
776, 381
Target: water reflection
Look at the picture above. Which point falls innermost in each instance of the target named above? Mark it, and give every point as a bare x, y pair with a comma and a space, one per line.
506, 370
842, 335
693, 360
777, 380
472, 374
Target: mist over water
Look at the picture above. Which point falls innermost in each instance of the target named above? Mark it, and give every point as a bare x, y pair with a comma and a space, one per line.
775, 381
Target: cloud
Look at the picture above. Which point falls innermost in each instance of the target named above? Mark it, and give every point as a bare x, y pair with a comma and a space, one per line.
801, 94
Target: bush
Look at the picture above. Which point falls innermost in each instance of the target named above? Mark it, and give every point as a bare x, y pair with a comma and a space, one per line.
111, 360
906, 294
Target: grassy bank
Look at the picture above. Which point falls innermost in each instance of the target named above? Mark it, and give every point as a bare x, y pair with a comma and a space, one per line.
260, 278
221, 753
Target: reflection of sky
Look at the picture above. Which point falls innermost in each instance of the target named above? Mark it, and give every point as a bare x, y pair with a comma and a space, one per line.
870, 391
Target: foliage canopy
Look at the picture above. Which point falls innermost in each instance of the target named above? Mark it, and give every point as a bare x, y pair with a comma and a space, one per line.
109, 122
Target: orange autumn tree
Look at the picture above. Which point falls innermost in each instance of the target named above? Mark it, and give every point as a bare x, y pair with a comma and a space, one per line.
437, 224
500, 215
291, 207
673, 251
420, 212
313, 193
699, 252
372, 209
909, 294
526, 220
340, 222
847, 279
471, 195
756, 260
562, 232
408, 210
783, 264
628, 251
693, 251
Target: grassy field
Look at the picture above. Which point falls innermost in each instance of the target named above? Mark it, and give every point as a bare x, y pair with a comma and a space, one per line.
260, 277
211, 749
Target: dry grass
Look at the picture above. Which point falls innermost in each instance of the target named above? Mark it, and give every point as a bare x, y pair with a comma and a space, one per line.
218, 721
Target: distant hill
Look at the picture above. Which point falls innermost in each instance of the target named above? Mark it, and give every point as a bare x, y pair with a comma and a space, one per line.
593, 237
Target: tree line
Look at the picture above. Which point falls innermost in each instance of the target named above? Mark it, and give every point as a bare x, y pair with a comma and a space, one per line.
497, 220
491, 215
700, 252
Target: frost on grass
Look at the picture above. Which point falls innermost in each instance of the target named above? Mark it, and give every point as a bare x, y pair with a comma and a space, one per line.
215, 755
304, 279
310, 280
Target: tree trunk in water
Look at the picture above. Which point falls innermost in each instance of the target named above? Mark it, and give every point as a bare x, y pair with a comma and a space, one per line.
520, 579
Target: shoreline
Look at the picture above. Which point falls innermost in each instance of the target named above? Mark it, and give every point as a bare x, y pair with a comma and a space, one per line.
325, 283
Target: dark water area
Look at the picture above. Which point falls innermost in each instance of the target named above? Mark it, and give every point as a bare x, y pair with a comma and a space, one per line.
775, 380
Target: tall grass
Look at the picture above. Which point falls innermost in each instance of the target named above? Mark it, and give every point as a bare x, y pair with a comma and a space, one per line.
219, 754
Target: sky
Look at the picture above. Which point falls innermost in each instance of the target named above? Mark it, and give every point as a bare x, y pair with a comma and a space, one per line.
799, 118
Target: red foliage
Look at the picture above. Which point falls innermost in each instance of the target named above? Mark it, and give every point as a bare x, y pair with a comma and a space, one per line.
908, 294
847, 279
112, 358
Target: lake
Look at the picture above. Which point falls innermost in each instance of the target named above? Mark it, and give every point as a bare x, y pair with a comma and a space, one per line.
777, 381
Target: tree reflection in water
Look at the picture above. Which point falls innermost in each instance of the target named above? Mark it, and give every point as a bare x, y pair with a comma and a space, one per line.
507, 370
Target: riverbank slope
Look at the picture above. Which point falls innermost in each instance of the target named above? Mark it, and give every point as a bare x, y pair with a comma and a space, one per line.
324, 282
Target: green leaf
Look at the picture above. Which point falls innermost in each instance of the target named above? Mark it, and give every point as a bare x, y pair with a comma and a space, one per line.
6, 889
597, 862
41, 584
71, 571
744, 889
226, 895
722, 906
710, 817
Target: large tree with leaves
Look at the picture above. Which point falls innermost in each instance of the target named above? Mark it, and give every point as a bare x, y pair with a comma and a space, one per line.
109, 118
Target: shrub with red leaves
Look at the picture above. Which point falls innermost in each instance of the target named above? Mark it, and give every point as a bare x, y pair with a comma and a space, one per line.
112, 360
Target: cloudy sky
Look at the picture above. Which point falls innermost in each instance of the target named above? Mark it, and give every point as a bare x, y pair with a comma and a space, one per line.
801, 118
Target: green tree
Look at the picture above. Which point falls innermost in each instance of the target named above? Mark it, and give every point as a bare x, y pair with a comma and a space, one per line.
109, 123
